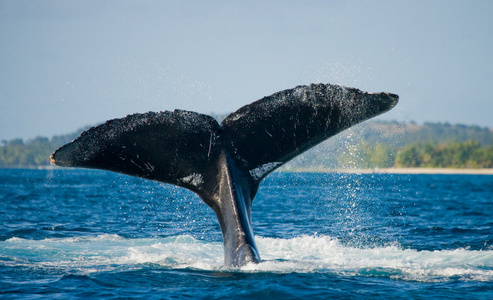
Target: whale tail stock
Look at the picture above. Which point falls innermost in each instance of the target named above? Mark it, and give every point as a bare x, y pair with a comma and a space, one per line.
224, 163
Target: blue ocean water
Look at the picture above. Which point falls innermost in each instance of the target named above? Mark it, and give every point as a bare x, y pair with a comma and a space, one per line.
75, 233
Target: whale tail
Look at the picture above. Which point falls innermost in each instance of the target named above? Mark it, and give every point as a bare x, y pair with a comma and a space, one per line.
224, 163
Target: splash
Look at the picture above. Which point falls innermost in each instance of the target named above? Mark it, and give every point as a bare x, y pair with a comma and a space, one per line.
304, 254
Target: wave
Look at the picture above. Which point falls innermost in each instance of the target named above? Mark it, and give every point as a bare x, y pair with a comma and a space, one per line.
303, 254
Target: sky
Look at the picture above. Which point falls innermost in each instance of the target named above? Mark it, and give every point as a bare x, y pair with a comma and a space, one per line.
65, 65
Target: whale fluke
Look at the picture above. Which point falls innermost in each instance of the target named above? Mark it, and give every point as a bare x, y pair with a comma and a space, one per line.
224, 163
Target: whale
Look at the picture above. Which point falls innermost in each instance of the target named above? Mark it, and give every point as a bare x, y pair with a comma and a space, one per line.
224, 163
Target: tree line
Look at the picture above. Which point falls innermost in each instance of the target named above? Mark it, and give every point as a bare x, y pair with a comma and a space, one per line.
370, 145
468, 154
33, 153
428, 154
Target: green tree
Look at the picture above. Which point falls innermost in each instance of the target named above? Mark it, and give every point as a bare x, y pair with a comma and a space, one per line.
468, 154
367, 155
416, 155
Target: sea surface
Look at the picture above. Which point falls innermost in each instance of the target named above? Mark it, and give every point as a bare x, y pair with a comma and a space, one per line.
76, 233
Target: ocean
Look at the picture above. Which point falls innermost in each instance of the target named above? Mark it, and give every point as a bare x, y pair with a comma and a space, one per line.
77, 233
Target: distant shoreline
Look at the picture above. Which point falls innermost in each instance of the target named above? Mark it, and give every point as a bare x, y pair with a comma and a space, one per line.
443, 171
397, 171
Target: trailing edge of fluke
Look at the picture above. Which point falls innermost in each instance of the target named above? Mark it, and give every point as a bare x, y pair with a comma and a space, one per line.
224, 163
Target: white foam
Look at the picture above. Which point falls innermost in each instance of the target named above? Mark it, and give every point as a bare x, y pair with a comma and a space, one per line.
324, 254
304, 254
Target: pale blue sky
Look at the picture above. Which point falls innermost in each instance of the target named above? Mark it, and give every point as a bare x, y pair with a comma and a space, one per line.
67, 64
